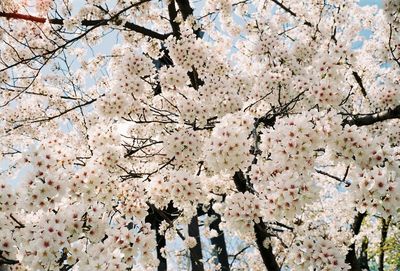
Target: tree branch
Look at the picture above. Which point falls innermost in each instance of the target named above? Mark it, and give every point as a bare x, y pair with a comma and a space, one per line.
20, 225
55, 21
288, 10
5, 261
392, 50
238, 253
362, 120
25, 17
346, 182
66, 111
360, 83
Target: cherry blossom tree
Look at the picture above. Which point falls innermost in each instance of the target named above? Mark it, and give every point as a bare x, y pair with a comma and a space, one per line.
137, 134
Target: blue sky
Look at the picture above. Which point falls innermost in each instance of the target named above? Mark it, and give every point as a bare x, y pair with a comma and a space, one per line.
371, 2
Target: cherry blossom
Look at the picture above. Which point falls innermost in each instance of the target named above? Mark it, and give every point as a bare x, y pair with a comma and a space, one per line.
201, 135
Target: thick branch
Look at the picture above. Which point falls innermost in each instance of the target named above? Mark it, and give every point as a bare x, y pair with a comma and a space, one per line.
362, 120
145, 31
172, 16
19, 16
5, 261
185, 8
161, 243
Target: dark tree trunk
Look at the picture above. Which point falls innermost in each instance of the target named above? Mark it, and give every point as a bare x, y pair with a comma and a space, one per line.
384, 232
196, 255
155, 220
351, 257
160, 244
267, 253
364, 254
219, 241
260, 229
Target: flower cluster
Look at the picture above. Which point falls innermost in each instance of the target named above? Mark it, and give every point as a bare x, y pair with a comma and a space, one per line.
185, 146
7, 198
183, 188
240, 211
127, 85
122, 248
91, 183
376, 191
115, 103
228, 148
211, 100
221, 98
10, 6
131, 200
7, 243
387, 96
286, 194
43, 236
355, 144
108, 157
43, 6
98, 137
173, 77
108, 151
42, 192
318, 253
188, 52
326, 93
218, 185
393, 130
292, 140
49, 156
391, 9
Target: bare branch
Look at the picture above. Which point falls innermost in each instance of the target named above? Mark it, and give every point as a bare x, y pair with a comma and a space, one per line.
360, 83
288, 10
